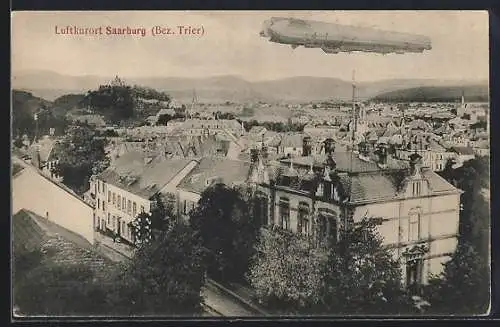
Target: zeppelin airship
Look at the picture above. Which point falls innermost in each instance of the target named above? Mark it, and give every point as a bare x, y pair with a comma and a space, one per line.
334, 38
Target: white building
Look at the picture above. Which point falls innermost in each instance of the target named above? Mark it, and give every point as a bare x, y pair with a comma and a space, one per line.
127, 188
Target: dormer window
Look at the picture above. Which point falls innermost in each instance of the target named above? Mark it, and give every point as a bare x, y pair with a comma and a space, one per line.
417, 188
319, 191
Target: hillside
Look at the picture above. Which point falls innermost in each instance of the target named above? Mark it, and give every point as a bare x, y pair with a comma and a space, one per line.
472, 93
224, 88
24, 106
63, 104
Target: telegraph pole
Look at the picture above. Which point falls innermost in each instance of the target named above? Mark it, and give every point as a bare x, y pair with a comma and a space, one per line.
354, 114
35, 117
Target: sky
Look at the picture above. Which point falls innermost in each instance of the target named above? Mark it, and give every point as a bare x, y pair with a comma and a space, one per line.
231, 45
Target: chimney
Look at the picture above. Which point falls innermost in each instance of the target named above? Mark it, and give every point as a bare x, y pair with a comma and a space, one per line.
382, 155
415, 164
329, 146
306, 146
265, 153
148, 159
363, 151
254, 156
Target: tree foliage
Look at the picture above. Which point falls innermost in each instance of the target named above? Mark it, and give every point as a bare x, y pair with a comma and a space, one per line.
473, 178
141, 229
275, 126
82, 154
287, 270
164, 277
162, 217
361, 276
463, 286
115, 100
165, 118
355, 275
24, 106
44, 287
227, 229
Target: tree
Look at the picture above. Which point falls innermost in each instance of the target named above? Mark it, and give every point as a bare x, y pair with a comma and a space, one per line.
355, 275
463, 286
82, 154
361, 275
115, 101
163, 211
43, 287
227, 229
141, 229
287, 270
473, 178
164, 277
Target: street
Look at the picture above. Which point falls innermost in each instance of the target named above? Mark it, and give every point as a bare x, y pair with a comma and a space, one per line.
223, 303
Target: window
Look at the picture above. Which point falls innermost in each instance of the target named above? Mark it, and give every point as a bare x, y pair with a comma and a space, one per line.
103, 206
284, 208
262, 209
184, 207
320, 190
114, 198
119, 202
327, 220
129, 206
414, 227
109, 219
414, 270
98, 204
109, 196
416, 188
124, 204
142, 208
123, 228
114, 223
303, 218
134, 209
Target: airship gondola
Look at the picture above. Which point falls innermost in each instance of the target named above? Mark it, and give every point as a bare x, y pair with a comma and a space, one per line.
334, 38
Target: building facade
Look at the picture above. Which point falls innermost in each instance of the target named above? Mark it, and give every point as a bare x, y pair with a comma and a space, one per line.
320, 196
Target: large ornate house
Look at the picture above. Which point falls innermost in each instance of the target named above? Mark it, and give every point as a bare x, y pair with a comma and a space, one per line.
319, 195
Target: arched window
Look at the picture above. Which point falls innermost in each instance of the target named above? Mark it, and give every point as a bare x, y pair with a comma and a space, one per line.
284, 208
303, 221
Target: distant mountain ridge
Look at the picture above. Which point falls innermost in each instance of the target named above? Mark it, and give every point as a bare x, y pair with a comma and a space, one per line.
471, 93
50, 85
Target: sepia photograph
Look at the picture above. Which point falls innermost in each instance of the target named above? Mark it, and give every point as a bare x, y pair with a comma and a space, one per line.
250, 164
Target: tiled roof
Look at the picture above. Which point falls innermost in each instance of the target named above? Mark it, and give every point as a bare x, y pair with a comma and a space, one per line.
346, 161
223, 170
292, 140
57, 243
130, 173
465, 150
380, 186
16, 168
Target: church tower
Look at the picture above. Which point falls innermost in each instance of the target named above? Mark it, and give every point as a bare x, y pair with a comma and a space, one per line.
463, 106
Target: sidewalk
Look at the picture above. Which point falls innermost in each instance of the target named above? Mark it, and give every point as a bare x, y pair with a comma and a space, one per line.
244, 294
124, 249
